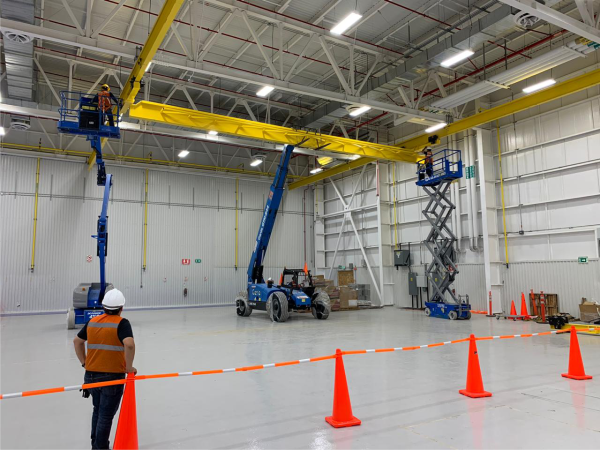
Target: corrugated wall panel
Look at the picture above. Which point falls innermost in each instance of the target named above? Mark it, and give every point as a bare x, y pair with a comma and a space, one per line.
189, 216
569, 279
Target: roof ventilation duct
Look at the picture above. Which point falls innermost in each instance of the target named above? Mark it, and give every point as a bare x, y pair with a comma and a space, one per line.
18, 50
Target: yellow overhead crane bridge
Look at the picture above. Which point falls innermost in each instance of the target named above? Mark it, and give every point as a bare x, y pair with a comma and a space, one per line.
407, 151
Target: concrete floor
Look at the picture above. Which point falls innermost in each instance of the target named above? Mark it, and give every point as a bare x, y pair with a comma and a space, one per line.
405, 399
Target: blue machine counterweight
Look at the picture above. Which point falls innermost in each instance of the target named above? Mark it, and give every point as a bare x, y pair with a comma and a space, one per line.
80, 114
435, 174
295, 291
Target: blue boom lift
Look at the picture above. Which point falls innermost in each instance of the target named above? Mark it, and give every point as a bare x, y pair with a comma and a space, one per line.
80, 115
436, 172
295, 291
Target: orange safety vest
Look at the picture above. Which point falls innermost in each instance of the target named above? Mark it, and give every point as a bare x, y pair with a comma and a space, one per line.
104, 100
106, 353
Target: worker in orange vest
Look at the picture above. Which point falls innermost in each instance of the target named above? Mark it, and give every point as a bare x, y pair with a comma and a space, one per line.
110, 353
428, 161
105, 100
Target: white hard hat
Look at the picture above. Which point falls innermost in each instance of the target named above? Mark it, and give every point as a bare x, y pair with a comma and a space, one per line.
113, 299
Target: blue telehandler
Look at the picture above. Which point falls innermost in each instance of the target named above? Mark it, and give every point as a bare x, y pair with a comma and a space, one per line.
295, 291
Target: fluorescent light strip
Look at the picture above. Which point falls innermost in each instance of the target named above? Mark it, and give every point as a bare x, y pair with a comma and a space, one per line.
264, 91
183, 153
433, 128
346, 23
359, 111
213, 132
256, 162
2, 132
540, 85
457, 58
316, 170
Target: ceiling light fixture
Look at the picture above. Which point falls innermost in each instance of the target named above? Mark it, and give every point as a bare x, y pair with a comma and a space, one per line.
148, 66
183, 153
457, 58
264, 91
213, 132
355, 157
316, 170
256, 162
346, 23
2, 132
540, 85
439, 126
358, 111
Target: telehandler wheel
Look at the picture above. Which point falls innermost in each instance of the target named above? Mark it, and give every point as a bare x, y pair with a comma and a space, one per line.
242, 307
277, 307
70, 319
452, 315
321, 306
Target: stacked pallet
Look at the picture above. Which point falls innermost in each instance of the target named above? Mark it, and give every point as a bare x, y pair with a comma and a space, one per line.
363, 294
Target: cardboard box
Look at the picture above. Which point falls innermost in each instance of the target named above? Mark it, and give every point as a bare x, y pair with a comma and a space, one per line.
589, 311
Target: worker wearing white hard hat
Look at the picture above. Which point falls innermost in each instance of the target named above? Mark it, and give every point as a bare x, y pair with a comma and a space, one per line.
110, 353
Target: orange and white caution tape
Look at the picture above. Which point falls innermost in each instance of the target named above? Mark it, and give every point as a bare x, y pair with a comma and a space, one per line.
161, 375
264, 366
398, 349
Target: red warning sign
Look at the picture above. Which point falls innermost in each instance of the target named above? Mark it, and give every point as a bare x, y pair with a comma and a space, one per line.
186, 262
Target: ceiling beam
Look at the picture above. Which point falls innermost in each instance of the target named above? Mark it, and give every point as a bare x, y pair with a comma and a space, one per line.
64, 38
260, 80
557, 91
302, 26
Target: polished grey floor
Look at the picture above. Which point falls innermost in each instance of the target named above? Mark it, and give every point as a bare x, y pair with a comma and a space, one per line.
405, 399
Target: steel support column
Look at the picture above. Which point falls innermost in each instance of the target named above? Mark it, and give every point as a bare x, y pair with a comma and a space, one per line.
489, 218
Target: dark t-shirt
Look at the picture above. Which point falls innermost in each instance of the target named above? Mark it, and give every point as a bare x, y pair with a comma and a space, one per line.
123, 331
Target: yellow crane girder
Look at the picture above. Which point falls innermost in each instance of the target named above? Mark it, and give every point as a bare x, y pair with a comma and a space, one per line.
200, 120
416, 144
159, 31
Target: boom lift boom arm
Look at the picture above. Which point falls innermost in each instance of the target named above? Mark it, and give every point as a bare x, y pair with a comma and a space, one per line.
255, 268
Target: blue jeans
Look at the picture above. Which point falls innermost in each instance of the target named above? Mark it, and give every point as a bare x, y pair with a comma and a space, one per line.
106, 402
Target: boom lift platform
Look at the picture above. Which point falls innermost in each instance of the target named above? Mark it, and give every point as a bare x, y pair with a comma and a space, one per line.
295, 291
435, 174
80, 115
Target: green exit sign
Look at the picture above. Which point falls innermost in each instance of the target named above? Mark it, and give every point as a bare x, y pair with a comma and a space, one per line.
470, 172
582, 259
197, 261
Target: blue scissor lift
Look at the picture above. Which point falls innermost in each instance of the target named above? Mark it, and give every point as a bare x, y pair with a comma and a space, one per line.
435, 177
79, 114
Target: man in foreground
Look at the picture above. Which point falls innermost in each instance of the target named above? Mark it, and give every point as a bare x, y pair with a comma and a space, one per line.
110, 353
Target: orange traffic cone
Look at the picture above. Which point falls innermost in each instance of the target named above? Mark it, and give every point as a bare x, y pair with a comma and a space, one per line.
474, 382
342, 409
523, 306
576, 369
305, 268
126, 436
513, 310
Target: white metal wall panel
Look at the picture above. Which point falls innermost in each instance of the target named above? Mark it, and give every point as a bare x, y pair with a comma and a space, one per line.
570, 280
189, 216
552, 195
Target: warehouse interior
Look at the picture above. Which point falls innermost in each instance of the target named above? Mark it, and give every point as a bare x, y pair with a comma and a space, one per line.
424, 174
